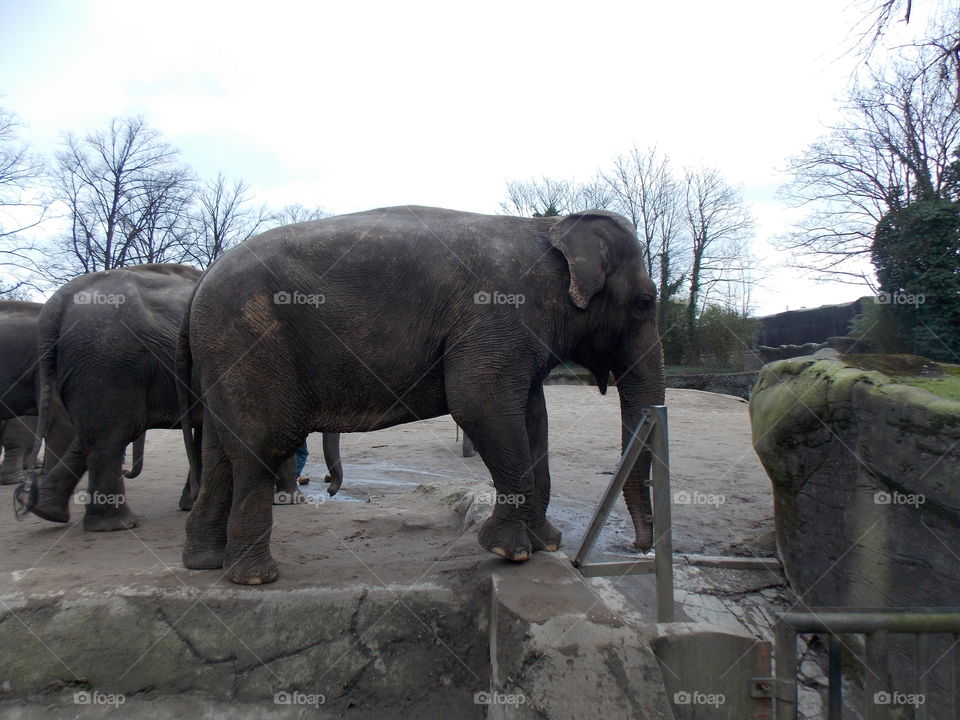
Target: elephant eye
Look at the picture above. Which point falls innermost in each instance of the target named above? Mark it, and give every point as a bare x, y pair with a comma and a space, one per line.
643, 304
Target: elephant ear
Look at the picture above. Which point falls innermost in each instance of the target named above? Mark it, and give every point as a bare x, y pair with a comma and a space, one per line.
584, 239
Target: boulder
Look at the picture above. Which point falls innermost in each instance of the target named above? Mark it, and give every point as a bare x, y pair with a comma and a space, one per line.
866, 480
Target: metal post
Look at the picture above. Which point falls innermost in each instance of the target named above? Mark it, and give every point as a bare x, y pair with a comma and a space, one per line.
662, 522
786, 671
835, 698
876, 680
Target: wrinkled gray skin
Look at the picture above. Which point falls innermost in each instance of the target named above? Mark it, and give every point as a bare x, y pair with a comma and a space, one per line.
18, 437
107, 344
18, 394
402, 334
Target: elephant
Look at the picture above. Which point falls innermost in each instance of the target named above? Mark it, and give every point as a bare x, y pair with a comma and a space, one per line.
18, 401
107, 351
363, 321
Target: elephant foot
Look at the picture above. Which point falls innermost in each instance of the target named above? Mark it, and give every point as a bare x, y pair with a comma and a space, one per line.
13, 478
544, 536
203, 557
186, 499
286, 497
246, 571
506, 538
123, 518
54, 508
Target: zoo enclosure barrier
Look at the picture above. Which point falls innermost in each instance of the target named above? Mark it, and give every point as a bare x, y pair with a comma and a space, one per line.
881, 699
651, 433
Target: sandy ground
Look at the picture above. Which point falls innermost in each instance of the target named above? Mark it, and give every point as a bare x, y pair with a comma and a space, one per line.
378, 522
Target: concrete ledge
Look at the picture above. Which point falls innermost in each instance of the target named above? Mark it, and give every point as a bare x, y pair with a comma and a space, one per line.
558, 651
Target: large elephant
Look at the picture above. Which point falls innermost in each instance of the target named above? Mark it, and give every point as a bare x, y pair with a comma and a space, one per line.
107, 345
363, 321
18, 394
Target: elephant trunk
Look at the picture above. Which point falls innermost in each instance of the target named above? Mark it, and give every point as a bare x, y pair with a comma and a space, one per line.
640, 387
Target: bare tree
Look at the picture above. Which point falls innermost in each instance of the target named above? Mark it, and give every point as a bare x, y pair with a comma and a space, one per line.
894, 146
224, 216
295, 213
114, 183
718, 223
537, 198
22, 208
940, 44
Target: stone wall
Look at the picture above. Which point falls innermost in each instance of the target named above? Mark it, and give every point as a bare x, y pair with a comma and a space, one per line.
866, 480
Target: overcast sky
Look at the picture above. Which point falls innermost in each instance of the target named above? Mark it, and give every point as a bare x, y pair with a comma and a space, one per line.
355, 105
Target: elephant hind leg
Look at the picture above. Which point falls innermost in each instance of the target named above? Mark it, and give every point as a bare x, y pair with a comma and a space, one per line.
206, 542
55, 486
106, 502
248, 560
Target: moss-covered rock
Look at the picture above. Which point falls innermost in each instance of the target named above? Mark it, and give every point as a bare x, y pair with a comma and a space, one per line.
866, 478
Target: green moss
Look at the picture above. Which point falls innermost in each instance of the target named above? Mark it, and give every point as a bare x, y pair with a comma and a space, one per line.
896, 365
946, 387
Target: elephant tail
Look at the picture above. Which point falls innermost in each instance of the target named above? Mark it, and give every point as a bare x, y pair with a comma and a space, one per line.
137, 467
331, 456
186, 397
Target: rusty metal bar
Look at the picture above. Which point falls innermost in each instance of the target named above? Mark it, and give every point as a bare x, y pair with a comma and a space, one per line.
731, 563
640, 566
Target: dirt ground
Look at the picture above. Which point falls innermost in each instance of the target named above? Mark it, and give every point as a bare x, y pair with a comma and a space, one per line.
380, 520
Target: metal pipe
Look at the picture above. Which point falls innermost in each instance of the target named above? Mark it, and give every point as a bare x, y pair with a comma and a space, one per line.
786, 672
914, 620
627, 461
662, 521
835, 690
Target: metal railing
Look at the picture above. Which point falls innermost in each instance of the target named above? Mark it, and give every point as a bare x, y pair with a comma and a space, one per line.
880, 696
652, 432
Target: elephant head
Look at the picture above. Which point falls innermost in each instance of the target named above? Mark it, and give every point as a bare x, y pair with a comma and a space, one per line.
615, 315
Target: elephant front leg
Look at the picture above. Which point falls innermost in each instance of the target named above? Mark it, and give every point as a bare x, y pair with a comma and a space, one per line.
106, 507
504, 449
543, 535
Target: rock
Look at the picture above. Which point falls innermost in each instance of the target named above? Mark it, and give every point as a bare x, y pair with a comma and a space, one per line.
866, 486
